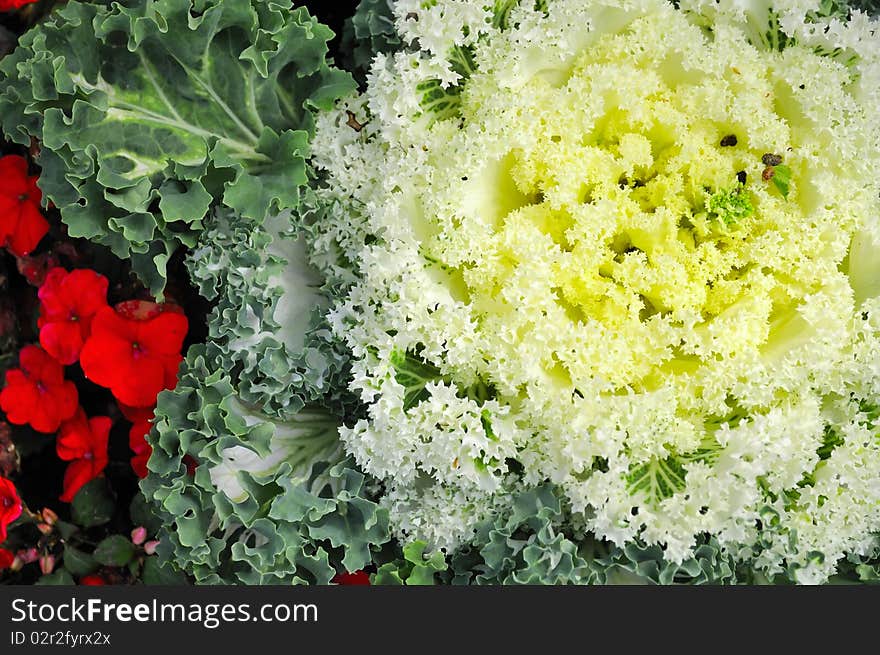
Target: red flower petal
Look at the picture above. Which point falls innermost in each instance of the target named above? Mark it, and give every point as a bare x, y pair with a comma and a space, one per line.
53, 305
164, 334
62, 340
38, 393
10, 506
86, 291
141, 388
40, 366
137, 414
135, 359
171, 366
10, 209
88, 441
100, 428
77, 474
105, 358
29, 230
57, 404
139, 465
18, 398
137, 437
74, 437
108, 323
7, 557
13, 173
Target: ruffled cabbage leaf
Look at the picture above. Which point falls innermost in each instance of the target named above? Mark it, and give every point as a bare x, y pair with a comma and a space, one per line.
247, 468
148, 111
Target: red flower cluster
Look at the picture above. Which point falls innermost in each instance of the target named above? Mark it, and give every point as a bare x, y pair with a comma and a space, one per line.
135, 357
37, 393
82, 441
10, 506
68, 302
22, 225
133, 349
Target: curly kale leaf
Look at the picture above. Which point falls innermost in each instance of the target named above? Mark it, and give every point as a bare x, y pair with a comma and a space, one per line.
268, 328
413, 567
269, 502
368, 32
534, 544
148, 111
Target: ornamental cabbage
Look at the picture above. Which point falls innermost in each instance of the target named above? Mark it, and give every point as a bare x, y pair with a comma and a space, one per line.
148, 112
626, 249
272, 498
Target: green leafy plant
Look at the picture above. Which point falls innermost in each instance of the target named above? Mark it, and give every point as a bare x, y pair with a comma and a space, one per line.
149, 112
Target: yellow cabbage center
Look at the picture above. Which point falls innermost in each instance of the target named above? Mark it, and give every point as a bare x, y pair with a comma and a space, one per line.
633, 222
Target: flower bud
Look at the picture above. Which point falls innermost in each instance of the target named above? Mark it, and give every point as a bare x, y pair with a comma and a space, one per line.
28, 555
150, 547
138, 535
49, 517
47, 564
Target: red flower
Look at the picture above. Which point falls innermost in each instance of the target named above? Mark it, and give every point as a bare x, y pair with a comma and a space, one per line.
136, 359
356, 578
69, 301
10, 506
37, 393
21, 223
92, 580
137, 441
7, 557
82, 442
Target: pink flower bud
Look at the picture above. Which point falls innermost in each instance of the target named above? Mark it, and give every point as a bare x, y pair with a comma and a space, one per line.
47, 564
138, 535
49, 517
29, 555
150, 547
44, 528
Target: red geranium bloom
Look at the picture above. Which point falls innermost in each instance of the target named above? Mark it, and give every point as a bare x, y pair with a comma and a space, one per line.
7, 557
37, 393
10, 506
69, 301
92, 580
137, 441
136, 359
356, 578
22, 225
82, 442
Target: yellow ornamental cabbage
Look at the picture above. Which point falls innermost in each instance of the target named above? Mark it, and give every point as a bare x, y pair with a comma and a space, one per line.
628, 249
